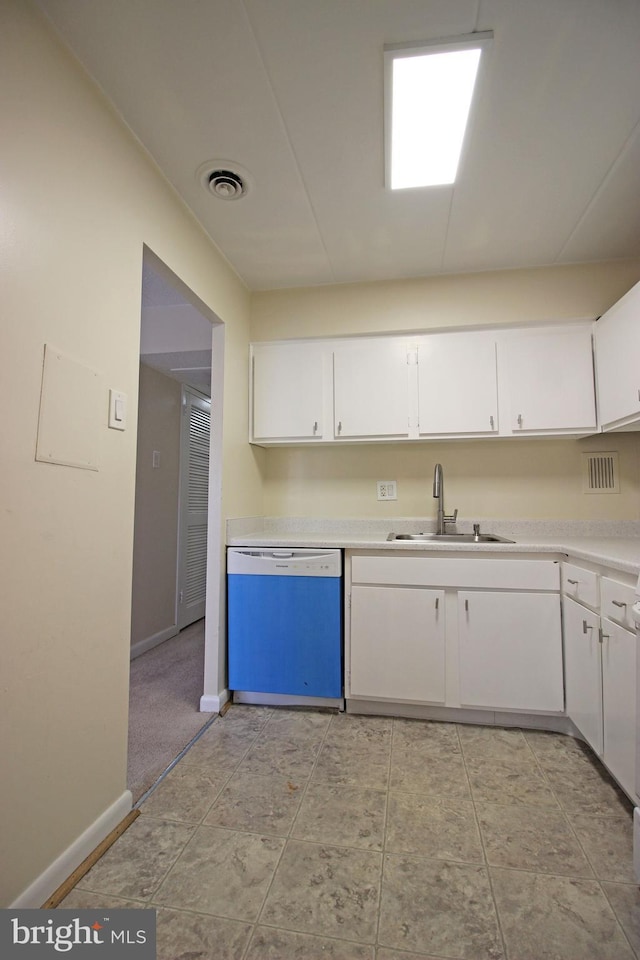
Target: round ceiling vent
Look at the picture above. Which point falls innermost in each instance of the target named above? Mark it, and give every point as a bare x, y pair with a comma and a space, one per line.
225, 180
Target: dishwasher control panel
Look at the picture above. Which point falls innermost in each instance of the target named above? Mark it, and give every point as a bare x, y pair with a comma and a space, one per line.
284, 562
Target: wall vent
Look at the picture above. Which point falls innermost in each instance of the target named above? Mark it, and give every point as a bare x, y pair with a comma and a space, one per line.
600, 473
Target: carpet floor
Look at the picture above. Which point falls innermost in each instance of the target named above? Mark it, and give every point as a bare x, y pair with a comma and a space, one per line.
164, 697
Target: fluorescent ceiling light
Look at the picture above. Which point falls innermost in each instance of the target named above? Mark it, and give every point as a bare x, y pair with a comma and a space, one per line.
429, 89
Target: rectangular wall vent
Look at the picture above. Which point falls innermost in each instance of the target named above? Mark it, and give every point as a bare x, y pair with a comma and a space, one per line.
600, 473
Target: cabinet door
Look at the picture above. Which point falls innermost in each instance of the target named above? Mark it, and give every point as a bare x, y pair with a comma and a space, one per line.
619, 703
583, 671
617, 344
550, 381
287, 391
371, 389
397, 643
457, 384
510, 648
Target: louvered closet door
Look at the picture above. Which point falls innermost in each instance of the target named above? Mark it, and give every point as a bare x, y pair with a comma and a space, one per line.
194, 504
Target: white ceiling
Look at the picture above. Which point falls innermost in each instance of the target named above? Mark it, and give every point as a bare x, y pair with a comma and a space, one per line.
292, 91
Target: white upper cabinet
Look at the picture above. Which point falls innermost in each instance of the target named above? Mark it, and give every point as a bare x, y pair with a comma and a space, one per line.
549, 379
617, 346
457, 384
503, 381
287, 401
371, 389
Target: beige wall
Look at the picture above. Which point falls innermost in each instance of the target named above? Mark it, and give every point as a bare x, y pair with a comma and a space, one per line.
492, 479
155, 542
475, 299
79, 199
484, 478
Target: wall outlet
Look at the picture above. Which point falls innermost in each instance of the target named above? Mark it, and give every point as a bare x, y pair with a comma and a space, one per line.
387, 490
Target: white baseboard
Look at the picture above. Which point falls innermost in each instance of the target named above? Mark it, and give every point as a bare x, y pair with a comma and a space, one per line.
214, 704
150, 642
385, 708
56, 873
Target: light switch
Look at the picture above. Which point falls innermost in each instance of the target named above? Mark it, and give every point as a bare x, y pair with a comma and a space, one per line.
117, 410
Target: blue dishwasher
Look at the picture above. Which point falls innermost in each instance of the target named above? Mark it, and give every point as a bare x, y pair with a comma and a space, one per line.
284, 625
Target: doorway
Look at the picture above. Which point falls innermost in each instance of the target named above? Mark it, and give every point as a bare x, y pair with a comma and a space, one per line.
170, 528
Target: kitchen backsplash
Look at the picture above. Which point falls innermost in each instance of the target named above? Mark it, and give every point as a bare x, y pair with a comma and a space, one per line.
507, 528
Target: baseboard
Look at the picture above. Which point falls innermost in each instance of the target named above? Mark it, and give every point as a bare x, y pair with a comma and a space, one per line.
61, 868
211, 704
417, 711
150, 642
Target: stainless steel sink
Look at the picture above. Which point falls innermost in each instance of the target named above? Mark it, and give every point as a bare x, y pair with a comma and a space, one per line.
451, 537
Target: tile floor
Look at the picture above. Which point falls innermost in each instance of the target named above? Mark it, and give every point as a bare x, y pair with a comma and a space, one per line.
295, 835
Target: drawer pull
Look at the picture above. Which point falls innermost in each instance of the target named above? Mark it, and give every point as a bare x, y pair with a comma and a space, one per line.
618, 603
574, 582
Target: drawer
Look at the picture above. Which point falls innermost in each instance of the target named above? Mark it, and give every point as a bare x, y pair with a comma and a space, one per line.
580, 584
463, 572
616, 601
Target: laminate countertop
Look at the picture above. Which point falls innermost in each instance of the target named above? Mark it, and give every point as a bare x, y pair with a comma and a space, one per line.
593, 543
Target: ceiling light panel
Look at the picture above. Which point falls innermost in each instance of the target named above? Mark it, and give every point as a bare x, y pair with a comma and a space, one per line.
428, 93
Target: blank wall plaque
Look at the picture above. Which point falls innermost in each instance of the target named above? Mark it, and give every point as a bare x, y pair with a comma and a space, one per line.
70, 412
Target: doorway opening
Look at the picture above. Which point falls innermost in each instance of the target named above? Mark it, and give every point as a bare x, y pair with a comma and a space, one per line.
172, 509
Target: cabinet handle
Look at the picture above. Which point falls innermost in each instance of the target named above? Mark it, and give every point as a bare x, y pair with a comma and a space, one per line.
339, 426
519, 419
586, 626
603, 636
574, 582
466, 606
437, 602
315, 426
618, 603
491, 421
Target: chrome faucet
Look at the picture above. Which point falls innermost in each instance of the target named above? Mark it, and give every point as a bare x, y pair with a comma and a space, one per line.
438, 493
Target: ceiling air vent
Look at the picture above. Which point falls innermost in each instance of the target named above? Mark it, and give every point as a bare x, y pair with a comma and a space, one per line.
600, 473
226, 185
224, 179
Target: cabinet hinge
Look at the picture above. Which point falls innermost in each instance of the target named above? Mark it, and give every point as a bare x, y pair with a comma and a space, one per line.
412, 356
349, 600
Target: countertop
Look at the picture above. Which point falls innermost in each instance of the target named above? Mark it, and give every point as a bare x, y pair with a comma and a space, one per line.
597, 543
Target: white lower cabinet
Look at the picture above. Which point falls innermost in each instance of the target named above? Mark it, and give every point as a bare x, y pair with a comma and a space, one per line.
600, 671
583, 671
461, 632
510, 650
619, 702
398, 643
